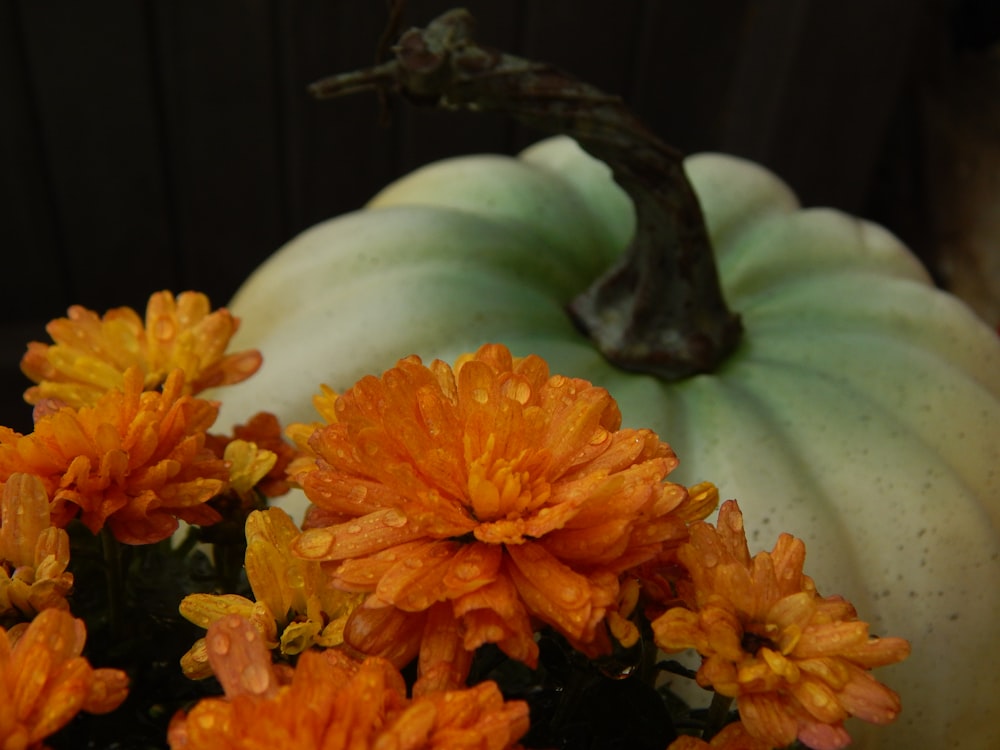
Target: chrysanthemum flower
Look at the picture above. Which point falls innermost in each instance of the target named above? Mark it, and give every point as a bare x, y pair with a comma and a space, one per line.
34, 555
732, 737
44, 682
135, 461
333, 701
248, 465
797, 664
264, 431
91, 353
295, 607
473, 504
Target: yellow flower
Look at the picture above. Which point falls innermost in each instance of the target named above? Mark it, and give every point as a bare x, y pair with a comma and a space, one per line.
248, 464
135, 461
91, 354
295, 607
473, 504
797, 664
263, 431
44, 682
34, 555
332, 701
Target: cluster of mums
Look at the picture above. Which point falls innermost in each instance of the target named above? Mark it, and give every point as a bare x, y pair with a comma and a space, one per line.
452, 507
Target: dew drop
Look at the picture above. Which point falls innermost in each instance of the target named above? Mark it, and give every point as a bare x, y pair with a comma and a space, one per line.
314, 543
599, 436
569, 594
293, 576
206, 720
358, 494
413, 562
256, 678
355, 528
467, 572
520, 392
394, 519
221, 644
710, 560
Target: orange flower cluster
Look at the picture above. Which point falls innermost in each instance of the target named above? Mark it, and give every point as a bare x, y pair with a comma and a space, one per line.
34, 555
797, 664
92, 353
453, 507
331, 700
136, 460
471, 504
44, 682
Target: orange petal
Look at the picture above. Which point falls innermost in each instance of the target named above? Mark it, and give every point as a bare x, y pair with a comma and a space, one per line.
552, 591
358, 537
239, 658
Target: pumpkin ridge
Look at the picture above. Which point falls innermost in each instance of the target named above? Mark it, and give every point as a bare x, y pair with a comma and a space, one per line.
858, 392
924, 318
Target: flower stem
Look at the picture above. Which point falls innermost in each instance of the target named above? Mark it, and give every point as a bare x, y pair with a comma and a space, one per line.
660, 309
111, 548
718, 715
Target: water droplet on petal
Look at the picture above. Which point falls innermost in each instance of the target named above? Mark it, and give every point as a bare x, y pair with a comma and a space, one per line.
467, 572
569, 594
293, 576
256, 678
600, 435
354, 528
206, 720
710, 560
413, 562
395, 519
221, 644
357, 493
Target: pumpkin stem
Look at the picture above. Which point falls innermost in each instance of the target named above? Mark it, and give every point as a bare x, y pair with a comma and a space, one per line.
660, 309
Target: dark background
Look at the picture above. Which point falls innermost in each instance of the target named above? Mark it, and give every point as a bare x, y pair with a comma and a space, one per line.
152, 144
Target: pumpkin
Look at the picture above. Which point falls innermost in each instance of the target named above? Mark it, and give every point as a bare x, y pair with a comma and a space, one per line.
860, 412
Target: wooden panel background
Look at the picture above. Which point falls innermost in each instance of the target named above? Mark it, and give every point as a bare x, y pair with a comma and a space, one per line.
150, 144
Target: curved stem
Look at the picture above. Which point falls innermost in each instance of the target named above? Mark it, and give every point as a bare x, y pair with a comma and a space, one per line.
112, 551
718, 715
661, 308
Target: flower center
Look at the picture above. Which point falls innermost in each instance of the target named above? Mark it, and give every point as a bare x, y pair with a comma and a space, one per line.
503, 488
753, 642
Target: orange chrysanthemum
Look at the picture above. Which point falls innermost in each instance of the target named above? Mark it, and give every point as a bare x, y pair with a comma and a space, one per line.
798, 664
44, 682
331, 700
135, 461
472, 504
294, 606
91, 353
34, 555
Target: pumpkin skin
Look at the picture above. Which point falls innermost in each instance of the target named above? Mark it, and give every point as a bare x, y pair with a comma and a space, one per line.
860, 411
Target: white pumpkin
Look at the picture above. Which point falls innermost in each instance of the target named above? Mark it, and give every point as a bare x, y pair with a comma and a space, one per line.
861, 411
